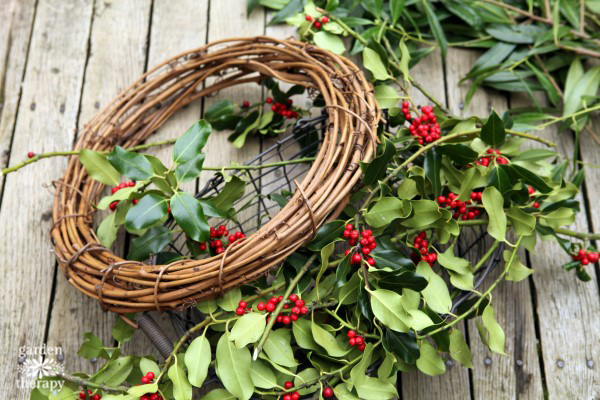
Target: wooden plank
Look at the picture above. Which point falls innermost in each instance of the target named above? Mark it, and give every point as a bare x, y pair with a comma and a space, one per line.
519, 370
176, 26
228, 19
117, 57
454, 384
46, 120
568, 310
15, 34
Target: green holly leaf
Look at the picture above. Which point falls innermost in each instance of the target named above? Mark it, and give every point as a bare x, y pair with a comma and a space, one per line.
152, 242
492, 131
197, 359
98, 167
190, 144
493, 202
132, 165
189, 215
233, 368
150, 209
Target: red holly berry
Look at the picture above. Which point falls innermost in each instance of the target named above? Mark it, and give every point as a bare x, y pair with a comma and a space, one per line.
303, 310
300, 303
270, 307
352, 341
359, 340
296, 310
219, 250
287, 397
308, 17
288, 385
242, 304
356, 258
351, 334
295, 396
362, 347
95, 397
327, 392
371, 261
150, 375
536, 205
145, 380
240, 311
325, 19
245, 104
293, 297
135, 201
317, 25
113, 205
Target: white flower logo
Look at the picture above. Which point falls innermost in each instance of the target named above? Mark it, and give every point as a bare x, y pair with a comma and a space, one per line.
33, 369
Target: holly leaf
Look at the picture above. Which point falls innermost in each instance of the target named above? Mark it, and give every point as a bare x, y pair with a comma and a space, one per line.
189, 215
98, 167
132, 165
492, 131
190, 144
152, 242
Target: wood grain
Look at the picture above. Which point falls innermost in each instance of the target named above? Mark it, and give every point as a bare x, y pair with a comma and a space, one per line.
567, 308
46, 120
15, 34
117, 56
519, 369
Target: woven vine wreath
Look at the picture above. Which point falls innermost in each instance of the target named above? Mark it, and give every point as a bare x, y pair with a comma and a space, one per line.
126, 286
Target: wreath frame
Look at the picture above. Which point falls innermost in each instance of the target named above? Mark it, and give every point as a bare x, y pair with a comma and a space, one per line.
125, 286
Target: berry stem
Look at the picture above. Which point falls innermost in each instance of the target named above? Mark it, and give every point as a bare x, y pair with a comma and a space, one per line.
89, 384
275, 313
483, 295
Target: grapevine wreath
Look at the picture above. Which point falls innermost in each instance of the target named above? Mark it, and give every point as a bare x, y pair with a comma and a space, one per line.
125, 286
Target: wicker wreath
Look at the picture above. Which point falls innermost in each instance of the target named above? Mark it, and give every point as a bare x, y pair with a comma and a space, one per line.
126, 286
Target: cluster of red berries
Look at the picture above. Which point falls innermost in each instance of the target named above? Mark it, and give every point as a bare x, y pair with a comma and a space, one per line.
586, 257
421, 244
319, 22
536, 204
298, 307
493, 153
460, 207
215, 239
146, 379
355, 339
290, 396
425, 127
367, 244
90, 395
122, 185
283, 109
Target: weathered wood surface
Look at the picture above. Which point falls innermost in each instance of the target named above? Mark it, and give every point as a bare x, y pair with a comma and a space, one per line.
60, 61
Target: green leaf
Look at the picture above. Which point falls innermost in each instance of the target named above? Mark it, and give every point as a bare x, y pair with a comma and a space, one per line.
522, 223
190, 169
385, 211
425, 212
211, 211
182, 390
586, 85
430, 361
278, 348
151, 209
516, 271
433, 166
459, 350
233, 368
230, 300
219, 394
306, 376
500, 179
404, 345
495, 334
329, 42
396, 8
91, 346
557, 218
459, 153
302, 331
387, 307
532, 179
326, 234
115, 372
243, 128
436, 28
376, 169
197, 359
132, 165
518, 34
492, 131
262, 375
248, 329
139, 391
357, 373
291, 8
386, 96
232, 191
448, 260
219, 111
151, 242
107, 230
493, 202
121, 194
375, 389
148, 365
98, 167
190, 144
436, 294
122, 331
372, 62
327, 341
189, 215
